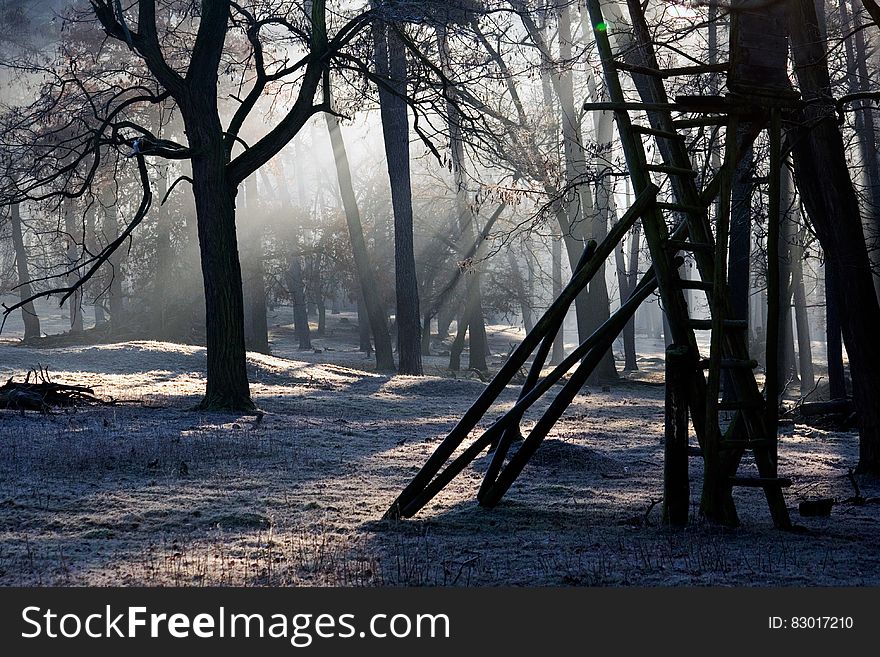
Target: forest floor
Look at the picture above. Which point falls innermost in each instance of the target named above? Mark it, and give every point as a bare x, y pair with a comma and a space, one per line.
150, 492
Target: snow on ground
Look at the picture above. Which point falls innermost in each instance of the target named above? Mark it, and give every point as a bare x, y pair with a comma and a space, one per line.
151, 492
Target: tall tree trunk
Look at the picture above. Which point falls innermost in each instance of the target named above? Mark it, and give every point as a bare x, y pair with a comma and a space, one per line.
318, 295
740, 255
477, 341
858, 81
558, 353
28, 314
227, 382
594, 307
597, 296
164, 258
92, 247
250, 225
827, 191
296, 290
391, 64
629, 333
519, 287
805, 348
530, 287
445, 317
623, 284
365, 344
369, 289
833, 338
573, 203
110, 228
787, 366
74, 302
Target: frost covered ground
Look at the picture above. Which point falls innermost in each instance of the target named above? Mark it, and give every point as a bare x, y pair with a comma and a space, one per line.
153, 493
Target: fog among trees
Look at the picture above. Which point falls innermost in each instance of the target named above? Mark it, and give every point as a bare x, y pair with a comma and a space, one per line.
322, 246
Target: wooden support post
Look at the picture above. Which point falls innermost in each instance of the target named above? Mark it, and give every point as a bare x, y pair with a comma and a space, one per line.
676, 485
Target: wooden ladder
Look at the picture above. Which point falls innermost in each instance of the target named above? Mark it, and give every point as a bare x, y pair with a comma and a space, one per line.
756, 425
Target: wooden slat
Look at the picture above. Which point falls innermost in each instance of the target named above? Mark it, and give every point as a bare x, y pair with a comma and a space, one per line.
679, 207
663, 134
685, 245
671, 170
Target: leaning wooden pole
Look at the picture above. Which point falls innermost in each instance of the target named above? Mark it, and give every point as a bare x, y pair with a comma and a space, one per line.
605, 335
512, 431
601, 339
516, 360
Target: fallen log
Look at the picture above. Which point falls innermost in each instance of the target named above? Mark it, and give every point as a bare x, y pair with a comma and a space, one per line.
43, 394
835, 406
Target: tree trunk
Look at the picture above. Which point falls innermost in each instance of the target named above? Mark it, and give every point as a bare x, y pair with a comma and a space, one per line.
558, 353
391, 64
369, 289
623, 284
632, 275
597, 297
296, 290
858, 79
164, 259
227, 383
787, 366
28, 314
110, 228
740, 256
74, 302
477, 342
320, 301
93, 247
295, 279
833, 338
828, 195
572, 206
805, 349
592, 308
519, 286
256, 328
365, 344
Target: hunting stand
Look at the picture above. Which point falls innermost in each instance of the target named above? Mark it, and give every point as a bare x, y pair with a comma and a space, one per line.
755, 101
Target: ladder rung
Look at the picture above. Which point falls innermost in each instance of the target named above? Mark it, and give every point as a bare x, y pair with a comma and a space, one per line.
672, 171
730, 363
633, 68
717, 104
684, 245
694, 451
643, 130
761, 482
720, 67
686, 284
673, 72
706, 324
679, 207
700, 122
746, 444
740, 405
